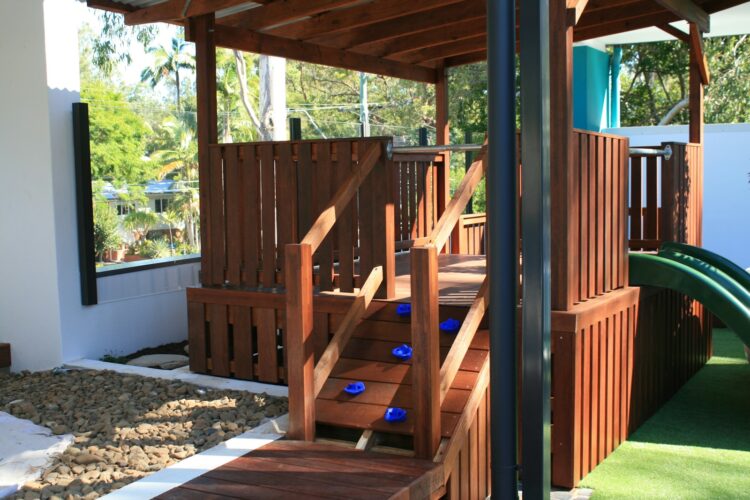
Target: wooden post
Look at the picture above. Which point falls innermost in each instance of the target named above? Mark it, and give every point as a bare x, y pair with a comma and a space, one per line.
383, 226
299, 329
426, 350
564, 195
442, 126
696, 91
202, 32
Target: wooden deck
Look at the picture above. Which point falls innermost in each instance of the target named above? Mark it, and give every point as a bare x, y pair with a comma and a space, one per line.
298, 469
459, 278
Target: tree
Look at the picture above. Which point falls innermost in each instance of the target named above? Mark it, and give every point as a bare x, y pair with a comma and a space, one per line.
166, 66
106, 229
655, 81
140, 223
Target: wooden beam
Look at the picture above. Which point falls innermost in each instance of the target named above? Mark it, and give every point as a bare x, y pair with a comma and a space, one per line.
696, 47
443, 136
202, 29
178, 9
576, 8
474, 57
354, 17
677, 33
424, 39
696, 93
251, 41
279, 12
443, 50
689, 11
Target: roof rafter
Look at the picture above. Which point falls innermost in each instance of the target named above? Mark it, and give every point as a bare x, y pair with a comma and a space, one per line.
450, 49
675, 32
450, 33
354, 17
279, 12
697, 53
252, 41
689, 11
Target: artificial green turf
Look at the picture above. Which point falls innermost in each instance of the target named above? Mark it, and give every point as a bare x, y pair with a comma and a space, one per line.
697, 446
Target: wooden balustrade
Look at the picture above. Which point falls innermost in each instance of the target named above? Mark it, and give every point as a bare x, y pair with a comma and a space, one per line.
665, 200
415, 193
470, 235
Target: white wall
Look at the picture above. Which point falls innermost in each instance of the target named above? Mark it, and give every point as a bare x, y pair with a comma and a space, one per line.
726, 194
40, 299
29, 302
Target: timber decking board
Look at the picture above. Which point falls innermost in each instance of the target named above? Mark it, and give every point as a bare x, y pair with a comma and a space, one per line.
288, 469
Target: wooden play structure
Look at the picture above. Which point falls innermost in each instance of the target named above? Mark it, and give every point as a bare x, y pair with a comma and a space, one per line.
310, 247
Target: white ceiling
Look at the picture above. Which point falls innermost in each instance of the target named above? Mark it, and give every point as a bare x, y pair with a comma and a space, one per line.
732, 21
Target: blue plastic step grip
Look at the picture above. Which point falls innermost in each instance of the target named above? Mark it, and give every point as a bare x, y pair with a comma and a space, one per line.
403, 310
395, 415
402, 352
355, 388
450, 325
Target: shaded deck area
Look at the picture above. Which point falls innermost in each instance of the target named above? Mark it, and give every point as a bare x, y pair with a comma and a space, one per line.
297, 469
459, 278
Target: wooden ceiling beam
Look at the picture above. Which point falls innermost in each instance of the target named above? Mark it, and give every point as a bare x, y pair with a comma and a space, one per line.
423, 39
689, 11
675, 32
442, 51
179, 9
279, 12
259, 43
354, 17
410, 24
576, 7
698, 54
474, 57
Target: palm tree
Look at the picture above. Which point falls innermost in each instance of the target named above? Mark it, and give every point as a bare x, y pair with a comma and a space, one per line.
167, 64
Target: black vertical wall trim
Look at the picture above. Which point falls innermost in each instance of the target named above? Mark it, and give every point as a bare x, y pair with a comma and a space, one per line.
84, 205
295, 129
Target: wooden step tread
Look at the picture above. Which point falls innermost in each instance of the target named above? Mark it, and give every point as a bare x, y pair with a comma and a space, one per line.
392, 373
401, 333
369, 416
388, 394
379, 350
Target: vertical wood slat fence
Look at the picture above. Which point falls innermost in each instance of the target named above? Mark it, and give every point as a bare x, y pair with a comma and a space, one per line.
615, 368
262, 196
415, 193
666, 197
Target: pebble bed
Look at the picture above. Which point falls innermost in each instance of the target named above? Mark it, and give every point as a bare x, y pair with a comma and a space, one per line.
124, 426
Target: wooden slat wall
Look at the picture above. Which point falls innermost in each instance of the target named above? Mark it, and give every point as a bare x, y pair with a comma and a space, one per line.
599, 164
415, 183
666, 200
240, 334
470, 235
264, 195
616, 365
469, 476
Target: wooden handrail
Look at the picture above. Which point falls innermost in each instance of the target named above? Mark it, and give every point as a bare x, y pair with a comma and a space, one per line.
443, 229
326, 220
346, 328
463, 339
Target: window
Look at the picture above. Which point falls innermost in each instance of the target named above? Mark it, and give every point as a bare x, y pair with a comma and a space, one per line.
161, 205
123, 209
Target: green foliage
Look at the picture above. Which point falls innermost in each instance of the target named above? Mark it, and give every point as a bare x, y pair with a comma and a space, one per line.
118, 135
106, 223
140, 223
112, 46
166, 65
154, 249
655, 81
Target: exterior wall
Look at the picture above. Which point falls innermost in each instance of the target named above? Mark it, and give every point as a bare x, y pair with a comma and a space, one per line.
726, 192
29, 300
40, 307
590, 88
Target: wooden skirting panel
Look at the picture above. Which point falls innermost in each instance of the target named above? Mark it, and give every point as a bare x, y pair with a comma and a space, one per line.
468, 476
615, 362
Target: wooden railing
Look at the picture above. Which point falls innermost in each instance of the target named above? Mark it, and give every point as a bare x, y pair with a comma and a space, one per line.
299, 297
665, 200
415, 194
426, 371
469, 235
262, 196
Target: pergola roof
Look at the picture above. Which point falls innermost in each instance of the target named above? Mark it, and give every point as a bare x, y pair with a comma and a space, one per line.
399, 38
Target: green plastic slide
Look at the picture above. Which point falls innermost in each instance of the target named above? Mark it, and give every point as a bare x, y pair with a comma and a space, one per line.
716, 282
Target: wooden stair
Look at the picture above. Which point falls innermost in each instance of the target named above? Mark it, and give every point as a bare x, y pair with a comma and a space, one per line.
367, 357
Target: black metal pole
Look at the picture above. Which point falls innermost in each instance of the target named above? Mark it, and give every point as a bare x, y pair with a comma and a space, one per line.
84, 206
535, 231
422, 136
295, 129
503, 265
